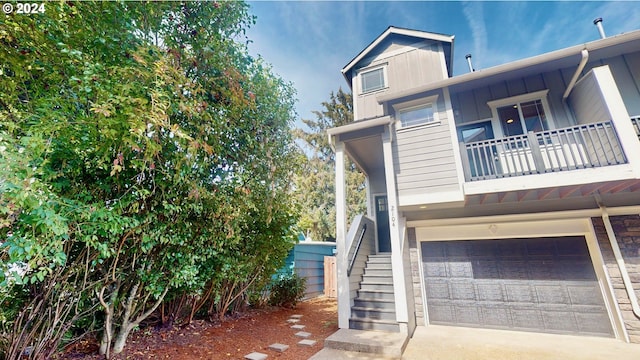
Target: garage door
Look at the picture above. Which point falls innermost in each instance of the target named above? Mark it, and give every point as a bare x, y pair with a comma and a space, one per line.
541, 284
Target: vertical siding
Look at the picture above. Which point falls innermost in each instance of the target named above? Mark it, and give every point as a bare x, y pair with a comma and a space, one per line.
587, 102
307, 261
423, 158
405, 70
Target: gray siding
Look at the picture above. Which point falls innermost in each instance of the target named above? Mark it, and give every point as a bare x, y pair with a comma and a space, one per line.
418, 66
471, 105
587, 102
423, 158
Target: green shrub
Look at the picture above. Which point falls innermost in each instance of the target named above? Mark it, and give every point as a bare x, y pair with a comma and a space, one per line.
287, 291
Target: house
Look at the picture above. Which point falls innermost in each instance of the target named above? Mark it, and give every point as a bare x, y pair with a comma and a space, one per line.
505, 197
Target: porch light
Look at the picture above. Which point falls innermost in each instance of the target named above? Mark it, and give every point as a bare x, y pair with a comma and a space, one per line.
509, 121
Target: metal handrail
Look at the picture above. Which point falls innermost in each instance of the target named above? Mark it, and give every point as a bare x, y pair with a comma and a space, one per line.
355, 253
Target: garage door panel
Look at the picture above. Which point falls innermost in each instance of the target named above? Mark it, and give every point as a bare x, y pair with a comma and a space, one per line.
467, 313
551, 294
526, 318
519, 293
459, 268
438, 289
584, 294
441, 313
486, 269
490, 292
495, 315
544, 284
435, 269
559, 321
462, 290
513, 270
593, 323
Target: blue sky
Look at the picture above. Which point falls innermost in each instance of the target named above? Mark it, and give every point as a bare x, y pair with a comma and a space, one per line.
309, 42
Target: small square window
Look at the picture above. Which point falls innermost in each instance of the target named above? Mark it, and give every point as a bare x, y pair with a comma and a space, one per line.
417, 115
373, 80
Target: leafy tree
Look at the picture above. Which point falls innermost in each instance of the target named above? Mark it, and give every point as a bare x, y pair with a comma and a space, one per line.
315, 184
143, 155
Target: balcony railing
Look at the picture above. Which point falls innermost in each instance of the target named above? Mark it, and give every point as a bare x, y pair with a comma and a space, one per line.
578, 147
636, 124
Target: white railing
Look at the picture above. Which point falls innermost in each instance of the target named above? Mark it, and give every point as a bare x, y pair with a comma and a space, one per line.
577, 147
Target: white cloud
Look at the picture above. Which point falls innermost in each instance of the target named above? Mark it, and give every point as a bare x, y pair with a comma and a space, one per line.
474, 14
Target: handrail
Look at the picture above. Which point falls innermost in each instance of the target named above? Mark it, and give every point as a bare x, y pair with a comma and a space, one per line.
355, 253
576, 147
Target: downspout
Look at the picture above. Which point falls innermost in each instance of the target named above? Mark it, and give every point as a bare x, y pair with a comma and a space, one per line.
628, 285
576, 75
572, 83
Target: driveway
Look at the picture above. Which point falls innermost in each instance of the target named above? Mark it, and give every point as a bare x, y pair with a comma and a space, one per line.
448, 342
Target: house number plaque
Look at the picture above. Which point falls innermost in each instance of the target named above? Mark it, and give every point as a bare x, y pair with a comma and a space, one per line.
393, 215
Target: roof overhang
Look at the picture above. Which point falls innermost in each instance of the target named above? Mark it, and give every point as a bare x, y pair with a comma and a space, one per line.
346, 71
599, 49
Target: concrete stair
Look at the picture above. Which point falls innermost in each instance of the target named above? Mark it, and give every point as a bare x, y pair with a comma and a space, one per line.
358, 344
374, 306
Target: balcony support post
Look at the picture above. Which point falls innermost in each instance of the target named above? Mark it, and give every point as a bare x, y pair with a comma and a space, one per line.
536, 153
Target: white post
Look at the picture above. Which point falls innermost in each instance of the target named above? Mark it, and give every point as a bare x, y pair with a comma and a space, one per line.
619, 116
399, 287
342, 253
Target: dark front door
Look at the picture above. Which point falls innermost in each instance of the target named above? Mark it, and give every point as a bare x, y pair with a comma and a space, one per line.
382, 221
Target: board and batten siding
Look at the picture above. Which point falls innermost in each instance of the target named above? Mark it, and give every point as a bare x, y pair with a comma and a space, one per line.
406, 67
471, 105
587, 102
424, 159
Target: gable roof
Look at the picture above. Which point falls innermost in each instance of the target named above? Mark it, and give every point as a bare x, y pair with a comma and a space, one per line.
347, 70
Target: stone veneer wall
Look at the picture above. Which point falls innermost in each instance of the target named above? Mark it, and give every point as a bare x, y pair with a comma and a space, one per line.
627, 230
415, 276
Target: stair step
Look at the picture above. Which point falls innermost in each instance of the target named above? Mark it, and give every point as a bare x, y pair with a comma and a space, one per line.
376, 294
374, 303
379, 266
377, 279
379, 259
379, 344
384, 325
377, 272
376, 286
372, 313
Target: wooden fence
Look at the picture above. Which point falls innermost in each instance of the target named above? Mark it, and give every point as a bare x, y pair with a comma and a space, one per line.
330, 277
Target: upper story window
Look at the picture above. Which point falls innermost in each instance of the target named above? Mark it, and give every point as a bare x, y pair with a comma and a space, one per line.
521, 114
373, 80
417, 112
417, 115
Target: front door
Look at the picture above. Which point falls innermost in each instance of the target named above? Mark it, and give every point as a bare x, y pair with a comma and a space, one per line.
382, 221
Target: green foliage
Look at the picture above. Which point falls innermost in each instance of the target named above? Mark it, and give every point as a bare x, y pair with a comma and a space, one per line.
142, 151
315, 182
287, 291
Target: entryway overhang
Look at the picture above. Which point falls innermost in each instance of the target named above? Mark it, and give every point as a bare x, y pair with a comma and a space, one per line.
363, 142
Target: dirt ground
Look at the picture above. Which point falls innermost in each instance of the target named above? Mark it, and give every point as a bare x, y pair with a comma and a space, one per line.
234, 338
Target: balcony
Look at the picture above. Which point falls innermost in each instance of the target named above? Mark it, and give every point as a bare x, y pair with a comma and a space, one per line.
578, 147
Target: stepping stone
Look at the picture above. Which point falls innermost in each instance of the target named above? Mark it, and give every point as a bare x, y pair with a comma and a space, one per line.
303, 334
295, 316
307, 342
255, 356
293, 321
298, 327
278, 347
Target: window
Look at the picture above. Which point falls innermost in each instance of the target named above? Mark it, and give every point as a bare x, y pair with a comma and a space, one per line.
521, 114
373, 80
516, 119
416, 112
417, 115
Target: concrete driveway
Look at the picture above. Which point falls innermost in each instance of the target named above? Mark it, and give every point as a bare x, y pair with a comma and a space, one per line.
448, 342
